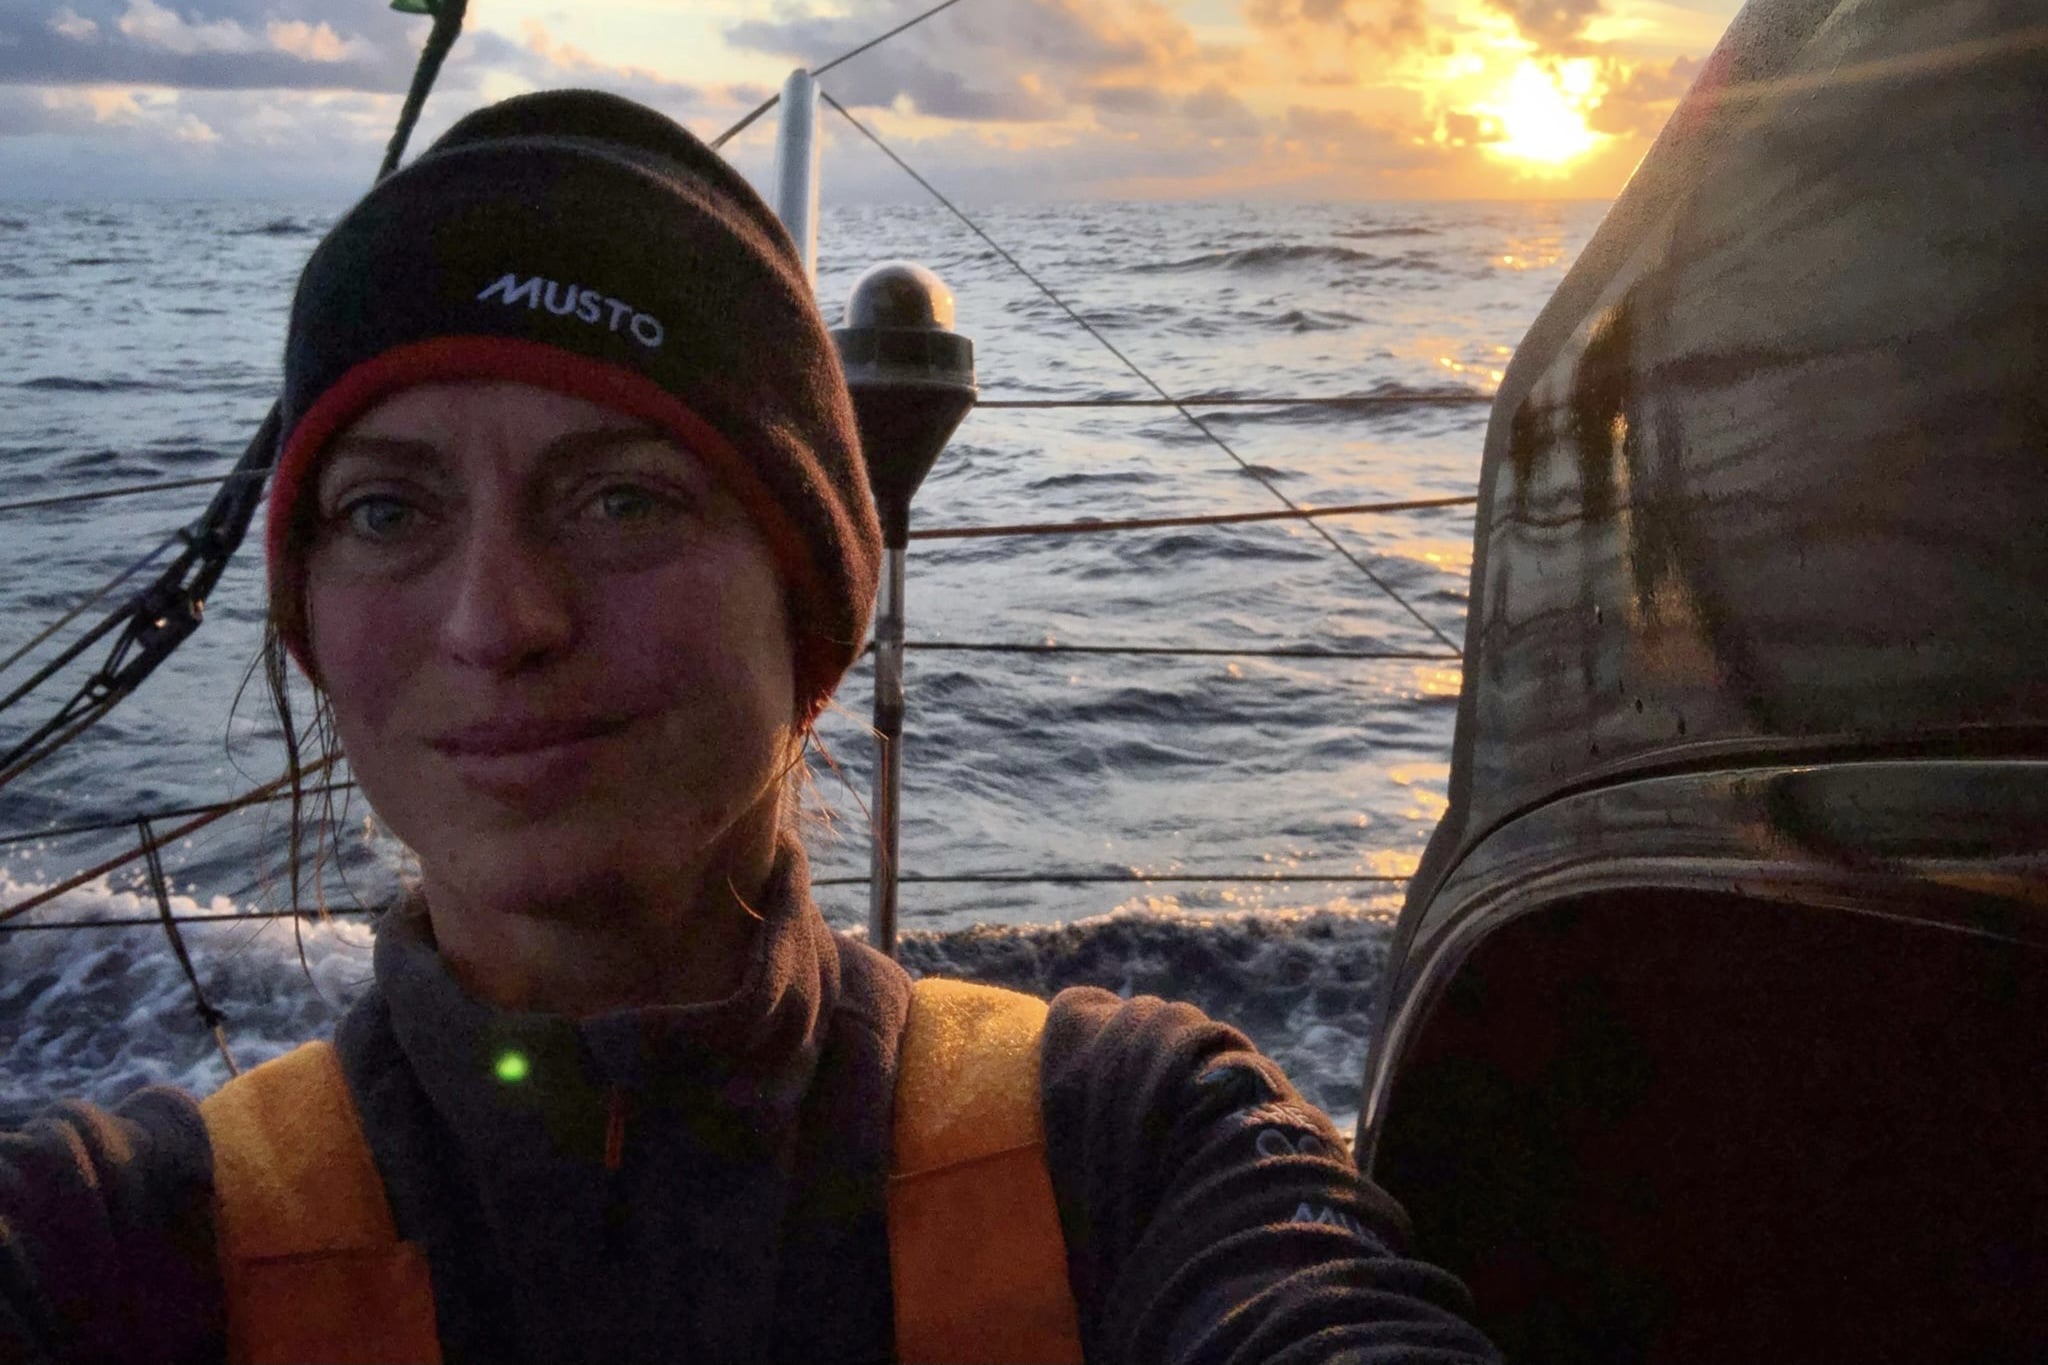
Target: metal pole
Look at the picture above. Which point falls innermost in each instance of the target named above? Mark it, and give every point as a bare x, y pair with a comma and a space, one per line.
796, 166
888, 752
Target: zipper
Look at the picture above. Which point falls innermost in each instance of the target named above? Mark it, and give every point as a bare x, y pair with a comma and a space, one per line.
615, 1129
615, 1216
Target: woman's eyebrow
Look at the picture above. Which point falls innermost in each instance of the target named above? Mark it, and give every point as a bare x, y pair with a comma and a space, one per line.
583, 445
561, 456
386, 447
377, 452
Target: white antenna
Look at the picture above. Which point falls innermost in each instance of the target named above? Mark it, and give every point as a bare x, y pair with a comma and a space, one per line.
796, 166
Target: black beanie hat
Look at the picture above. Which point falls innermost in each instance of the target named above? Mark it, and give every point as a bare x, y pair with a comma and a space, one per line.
581, 242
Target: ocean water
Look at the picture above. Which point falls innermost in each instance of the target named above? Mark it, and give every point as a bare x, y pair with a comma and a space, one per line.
141, 342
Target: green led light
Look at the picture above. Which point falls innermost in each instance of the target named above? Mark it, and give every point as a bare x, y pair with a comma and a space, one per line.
512, 1067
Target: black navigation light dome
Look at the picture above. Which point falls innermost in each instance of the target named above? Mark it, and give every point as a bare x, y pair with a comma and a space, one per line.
912, 379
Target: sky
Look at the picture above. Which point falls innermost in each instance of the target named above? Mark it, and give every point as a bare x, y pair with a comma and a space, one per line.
992, 99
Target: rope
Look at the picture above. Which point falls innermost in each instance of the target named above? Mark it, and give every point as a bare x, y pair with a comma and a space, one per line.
212, 1018
775, 99
68, 617
175, 813
1151, 383
77, 648
72, 883
1072, 528
27, 755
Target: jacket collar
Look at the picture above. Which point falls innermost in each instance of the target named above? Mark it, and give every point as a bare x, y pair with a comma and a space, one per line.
520, 1086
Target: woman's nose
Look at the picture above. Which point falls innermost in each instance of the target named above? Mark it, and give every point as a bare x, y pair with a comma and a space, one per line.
512, 605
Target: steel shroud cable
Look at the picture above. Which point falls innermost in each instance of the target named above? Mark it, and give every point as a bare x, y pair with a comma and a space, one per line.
1167, 398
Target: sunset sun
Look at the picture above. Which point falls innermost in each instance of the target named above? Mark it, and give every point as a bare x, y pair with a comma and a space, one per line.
1541, 113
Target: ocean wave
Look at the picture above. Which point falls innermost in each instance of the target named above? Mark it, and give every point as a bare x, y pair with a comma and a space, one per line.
1311, 320
276, 227
1219, 544
97, 1012
1302, 983
1389, 405
64, 383
1375, 233
1053, 483
1275, 256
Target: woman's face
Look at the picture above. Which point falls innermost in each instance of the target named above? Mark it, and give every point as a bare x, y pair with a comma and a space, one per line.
556, 651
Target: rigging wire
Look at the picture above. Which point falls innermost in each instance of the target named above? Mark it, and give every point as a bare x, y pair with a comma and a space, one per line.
136, 490
254, 796
129, 491
212, 1018
1114, 878
1213, 519
233, 803
1355, 400
1075, 528
1135, 369
1185, 652
775, 99
160, 618
68, 617
941, 646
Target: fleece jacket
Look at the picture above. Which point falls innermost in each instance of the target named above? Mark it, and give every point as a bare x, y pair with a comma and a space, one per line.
705, 1183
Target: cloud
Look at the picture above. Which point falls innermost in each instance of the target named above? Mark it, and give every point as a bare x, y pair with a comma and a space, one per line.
1342, 42
263, 97
1553, 25
1461, 129
1025, 61
1212, 110
558, 59
67, 24
1640, 98
1336, 139
316, 42
543, 60
1142, 100
224, 45
152, 25
1217, 107
1030, 99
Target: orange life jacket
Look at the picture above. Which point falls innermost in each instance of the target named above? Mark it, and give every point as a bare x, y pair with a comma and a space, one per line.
314, 1268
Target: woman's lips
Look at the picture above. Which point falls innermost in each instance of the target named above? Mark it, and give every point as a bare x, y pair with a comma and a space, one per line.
527, 756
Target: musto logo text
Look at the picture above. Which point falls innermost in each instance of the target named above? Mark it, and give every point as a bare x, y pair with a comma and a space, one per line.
565, 300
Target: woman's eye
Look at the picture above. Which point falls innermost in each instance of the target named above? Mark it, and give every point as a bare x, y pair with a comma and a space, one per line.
378, 517
629, 504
